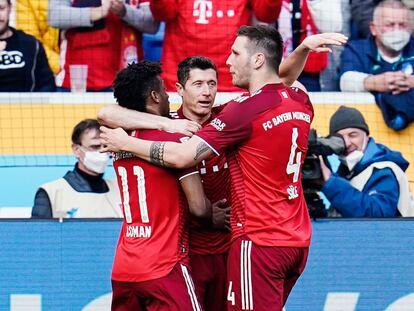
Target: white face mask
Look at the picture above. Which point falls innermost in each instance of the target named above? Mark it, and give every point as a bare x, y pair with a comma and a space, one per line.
352, 159
395, 40
96, 161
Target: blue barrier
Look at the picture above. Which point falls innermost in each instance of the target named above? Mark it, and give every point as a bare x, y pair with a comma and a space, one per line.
23, 174
353, 266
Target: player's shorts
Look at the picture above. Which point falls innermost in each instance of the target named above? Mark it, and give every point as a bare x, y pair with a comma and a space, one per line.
260, 277
173, 292
210, 279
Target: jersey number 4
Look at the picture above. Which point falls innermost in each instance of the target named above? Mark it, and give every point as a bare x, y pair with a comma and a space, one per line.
293, 166
139, 173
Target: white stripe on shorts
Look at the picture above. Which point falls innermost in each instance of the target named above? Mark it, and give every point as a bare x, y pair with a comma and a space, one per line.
246, 275
190, 289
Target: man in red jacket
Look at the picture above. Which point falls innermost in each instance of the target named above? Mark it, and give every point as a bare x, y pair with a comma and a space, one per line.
206, 28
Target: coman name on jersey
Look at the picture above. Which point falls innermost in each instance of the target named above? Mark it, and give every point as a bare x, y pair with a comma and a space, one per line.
138, 231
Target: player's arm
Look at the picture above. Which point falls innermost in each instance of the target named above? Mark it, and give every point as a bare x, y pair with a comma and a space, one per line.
116, 116
198, 204
169, 154
292, 66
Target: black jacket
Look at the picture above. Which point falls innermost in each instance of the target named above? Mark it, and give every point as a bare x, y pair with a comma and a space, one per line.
24, 66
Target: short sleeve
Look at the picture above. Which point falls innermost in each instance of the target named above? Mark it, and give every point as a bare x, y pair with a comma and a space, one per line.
230, 127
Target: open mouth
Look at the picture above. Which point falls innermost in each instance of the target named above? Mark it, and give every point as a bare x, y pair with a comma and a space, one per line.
204, 104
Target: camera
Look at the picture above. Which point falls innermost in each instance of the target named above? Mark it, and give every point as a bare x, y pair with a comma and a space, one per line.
312, 179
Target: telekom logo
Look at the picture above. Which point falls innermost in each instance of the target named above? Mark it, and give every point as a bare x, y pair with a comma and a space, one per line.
203, 9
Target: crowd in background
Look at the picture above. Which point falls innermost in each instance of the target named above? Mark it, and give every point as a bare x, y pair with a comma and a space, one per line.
104, 36
50, 38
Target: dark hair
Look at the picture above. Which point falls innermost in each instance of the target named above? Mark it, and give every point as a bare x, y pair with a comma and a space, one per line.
134, 84
82, 127
266, 38
193, 62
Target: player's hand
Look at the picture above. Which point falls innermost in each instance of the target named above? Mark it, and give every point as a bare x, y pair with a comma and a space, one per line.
221, 215
113, 140
319, 42
185, 127
326, 172
3, 45
118, 7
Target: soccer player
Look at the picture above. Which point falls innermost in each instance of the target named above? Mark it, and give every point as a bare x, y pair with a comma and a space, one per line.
150, 266
265, 134
197, 85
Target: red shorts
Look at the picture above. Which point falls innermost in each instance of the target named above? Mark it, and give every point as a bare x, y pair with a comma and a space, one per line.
172, 292
261, 277
209, 275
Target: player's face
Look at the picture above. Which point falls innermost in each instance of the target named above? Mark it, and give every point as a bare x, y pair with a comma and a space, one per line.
164, 101
4, 16
239, 62
199, 92
355, 139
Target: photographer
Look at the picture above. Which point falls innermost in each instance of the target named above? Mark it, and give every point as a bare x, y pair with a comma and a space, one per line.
370, 181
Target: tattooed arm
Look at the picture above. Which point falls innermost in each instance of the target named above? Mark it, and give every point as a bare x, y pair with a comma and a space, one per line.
170, 154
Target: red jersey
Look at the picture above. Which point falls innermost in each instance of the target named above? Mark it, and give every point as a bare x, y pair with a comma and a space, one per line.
105, 50
154, 234
206, 28
266, 136
215, 175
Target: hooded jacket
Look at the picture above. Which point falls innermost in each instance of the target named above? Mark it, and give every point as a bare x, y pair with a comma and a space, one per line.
378, 197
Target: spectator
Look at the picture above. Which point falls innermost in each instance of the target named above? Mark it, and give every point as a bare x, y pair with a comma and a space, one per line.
105, 35
31, 17
206, 28
81, 193
361, 12
383, 64
370, 181
23, 62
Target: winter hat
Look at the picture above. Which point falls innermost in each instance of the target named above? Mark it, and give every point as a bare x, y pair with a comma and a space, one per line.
346, 117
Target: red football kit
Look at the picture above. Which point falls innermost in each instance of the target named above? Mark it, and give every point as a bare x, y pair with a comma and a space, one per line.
208, 248
215, 175
153, 244
265, 135
106, 48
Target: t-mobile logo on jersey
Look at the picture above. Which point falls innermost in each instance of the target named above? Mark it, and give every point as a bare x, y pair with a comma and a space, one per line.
203, 9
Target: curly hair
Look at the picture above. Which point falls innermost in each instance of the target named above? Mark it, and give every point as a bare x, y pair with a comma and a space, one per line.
134, 84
